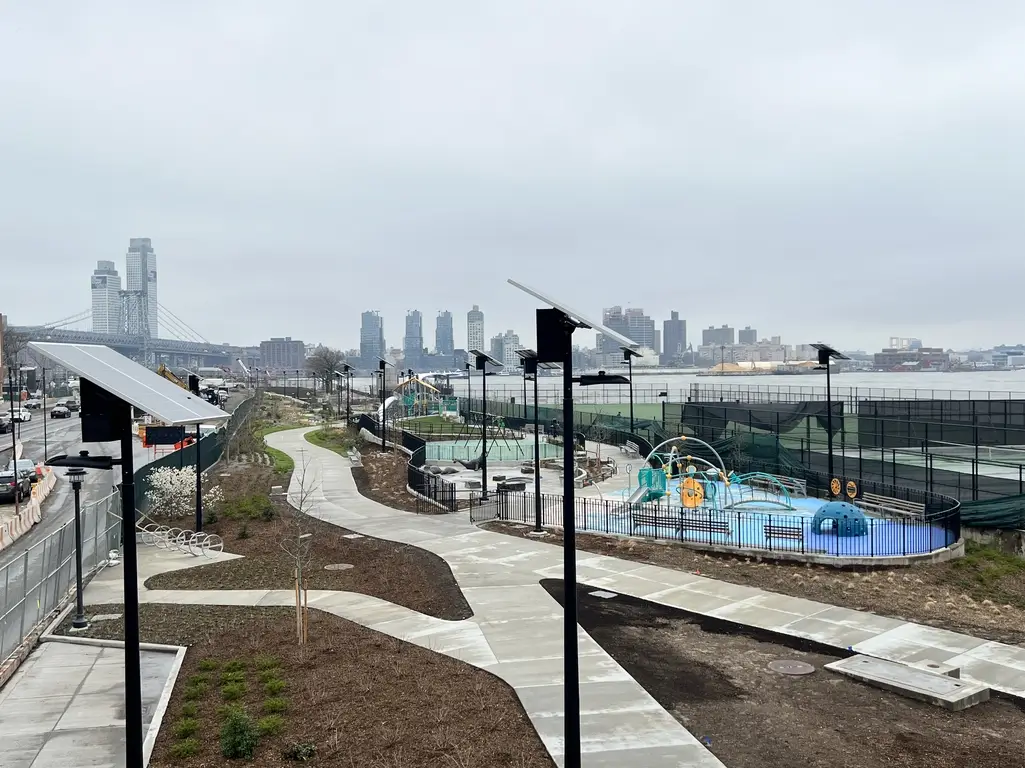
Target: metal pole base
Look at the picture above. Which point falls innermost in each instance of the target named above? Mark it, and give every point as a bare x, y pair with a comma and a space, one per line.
79, 623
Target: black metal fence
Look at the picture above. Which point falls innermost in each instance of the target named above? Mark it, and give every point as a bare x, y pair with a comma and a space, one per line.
743, 530
715, 389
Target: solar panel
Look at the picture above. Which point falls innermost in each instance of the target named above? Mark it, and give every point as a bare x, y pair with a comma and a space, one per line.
131, 382
574, 315
486, 358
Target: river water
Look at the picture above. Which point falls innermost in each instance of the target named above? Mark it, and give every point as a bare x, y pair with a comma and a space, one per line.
678, 384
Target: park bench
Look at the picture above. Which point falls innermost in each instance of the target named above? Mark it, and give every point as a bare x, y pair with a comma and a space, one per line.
792, 532
886, 505
678, 522
631, 448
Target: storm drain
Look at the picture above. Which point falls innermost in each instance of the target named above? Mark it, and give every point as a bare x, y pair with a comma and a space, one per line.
602, 594
787, 667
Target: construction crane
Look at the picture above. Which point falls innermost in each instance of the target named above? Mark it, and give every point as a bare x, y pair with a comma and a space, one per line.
164, 371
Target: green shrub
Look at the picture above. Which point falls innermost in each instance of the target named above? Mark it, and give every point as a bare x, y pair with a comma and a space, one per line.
186, 727
232, 677
210, 516
243, 532
235, 665
199, 679
265, 662
195, 692
185, 748
275, 705
300, 751
270, 725
208, 665
239, 736
189, 709
233, 691
274, 687
226, 709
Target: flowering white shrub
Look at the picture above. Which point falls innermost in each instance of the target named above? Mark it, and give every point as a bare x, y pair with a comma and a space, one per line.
172, 493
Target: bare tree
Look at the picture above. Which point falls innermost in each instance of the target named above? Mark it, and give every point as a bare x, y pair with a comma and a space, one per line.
323, 363
11, 345
297, 545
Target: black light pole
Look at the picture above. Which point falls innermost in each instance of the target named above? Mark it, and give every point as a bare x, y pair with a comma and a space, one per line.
384, 416
14, 435
628, 357
348, 393
530, 368
76, 475
482, 362
524, 390
827, 353
199, 482
46, 416
133, 664
468, 403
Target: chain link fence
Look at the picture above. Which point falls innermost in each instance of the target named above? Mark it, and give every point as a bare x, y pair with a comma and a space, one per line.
35, 585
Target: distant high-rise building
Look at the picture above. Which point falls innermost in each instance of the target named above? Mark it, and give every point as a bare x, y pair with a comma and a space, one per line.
444, 338
106, 298
413, 341
715, 337
747, 335
633, 324
141, 283
475, 329
371, 339
283, 354
674, 338
510, 343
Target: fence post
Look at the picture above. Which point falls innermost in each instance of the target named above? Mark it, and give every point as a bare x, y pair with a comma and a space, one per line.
768, 539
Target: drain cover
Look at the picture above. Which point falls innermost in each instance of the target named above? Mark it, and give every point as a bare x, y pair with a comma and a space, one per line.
337, 567
603, 594
785, 667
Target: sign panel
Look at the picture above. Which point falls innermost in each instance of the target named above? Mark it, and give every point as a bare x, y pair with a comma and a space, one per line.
163, 435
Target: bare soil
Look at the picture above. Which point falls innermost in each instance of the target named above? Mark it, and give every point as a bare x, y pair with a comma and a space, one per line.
360, 697
982, 594
713, 677
383, 478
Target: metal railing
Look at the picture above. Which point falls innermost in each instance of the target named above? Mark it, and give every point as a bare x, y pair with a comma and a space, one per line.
743, 530
36, 584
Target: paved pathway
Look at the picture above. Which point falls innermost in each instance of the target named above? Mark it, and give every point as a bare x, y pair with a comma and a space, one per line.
65, 706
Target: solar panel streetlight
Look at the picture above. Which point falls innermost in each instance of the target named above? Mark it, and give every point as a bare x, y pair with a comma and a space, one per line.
827, 353
382, 364
555, 328
482, 361
76, 475
530, 368
111, 385
628, 357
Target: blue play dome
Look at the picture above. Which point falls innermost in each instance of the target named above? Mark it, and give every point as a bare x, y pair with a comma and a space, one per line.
847, 519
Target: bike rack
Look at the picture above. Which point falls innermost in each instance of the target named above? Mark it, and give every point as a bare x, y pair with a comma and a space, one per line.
181, 540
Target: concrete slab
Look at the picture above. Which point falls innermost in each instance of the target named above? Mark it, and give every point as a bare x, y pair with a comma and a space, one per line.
754, 615
828, 633
943, 691
21, 751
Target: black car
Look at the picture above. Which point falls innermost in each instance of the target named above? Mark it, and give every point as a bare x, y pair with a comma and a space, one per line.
71, 405
14, 486
5, 425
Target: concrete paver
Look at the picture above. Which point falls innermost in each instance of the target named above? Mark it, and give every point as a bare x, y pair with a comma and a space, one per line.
65, 706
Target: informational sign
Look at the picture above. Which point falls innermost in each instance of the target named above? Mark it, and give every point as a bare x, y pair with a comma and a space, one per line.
163, 436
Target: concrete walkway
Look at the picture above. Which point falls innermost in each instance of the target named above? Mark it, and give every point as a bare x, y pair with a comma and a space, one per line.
66, 706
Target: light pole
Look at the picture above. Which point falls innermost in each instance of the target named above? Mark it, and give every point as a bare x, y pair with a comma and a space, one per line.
14, 435
530, 368
45, 415
628, 357
76, 475
382, 364
347, 370
199, 481
827, 353
483, 360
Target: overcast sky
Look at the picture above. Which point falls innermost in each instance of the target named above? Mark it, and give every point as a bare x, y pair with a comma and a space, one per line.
843, 170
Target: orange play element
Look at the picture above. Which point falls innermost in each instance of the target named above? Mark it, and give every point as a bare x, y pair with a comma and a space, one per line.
691, 493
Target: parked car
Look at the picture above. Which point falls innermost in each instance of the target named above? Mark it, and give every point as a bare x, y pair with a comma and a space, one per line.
60, 412
24, 467
21, 415
71, 404
14, 487
5, 424
33, 404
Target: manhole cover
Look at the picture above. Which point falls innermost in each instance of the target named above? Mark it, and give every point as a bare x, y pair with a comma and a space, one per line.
337, 567
791, 667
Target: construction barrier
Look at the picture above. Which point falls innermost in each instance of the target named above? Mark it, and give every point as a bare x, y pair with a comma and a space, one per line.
30, 510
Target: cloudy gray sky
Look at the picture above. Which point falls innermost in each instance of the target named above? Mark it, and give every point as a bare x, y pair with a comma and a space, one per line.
847, 170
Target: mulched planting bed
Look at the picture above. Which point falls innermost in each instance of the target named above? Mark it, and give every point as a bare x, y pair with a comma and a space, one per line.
977, 596
399, 573
713, 677
383, 478
359, 698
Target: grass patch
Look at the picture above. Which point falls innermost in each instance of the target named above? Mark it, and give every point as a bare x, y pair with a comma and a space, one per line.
265, 662
268, 674
208, 665
275, 705
987, 573
225, 710
274, 687
233, 691
186, 727
340, 441
283, 463
195, 692
232, 677
271, 725
185, 748
199, 679
235, 665
190, 709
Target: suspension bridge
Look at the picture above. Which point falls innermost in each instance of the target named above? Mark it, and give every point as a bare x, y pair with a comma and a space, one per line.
185, 348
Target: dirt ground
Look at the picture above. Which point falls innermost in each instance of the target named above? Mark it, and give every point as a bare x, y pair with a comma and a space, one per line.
383, 478
982, 594
361, 698
716, 682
